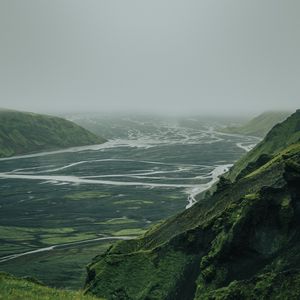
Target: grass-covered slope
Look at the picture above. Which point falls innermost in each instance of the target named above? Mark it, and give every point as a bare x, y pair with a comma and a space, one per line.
260, 125
13, 288
279, 137
242, 242
22, 132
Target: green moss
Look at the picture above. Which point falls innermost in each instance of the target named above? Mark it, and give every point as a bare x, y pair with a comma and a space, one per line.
13, 233
285, 285
16, 233
13, 288
280, 137
286, 202
153, 278
53, 239
289, 151
250, 196
225, 246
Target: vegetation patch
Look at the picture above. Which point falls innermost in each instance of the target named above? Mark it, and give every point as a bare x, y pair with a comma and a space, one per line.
137, 202
130, 231
13, 288
22, 132
117, 221
52, 239
88, 195
239, 242
260, 125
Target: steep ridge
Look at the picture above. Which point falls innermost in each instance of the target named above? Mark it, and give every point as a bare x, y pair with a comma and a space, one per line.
281, 135
23, 132
245, 235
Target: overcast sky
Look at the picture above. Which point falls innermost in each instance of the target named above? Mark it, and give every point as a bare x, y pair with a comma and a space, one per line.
198, 56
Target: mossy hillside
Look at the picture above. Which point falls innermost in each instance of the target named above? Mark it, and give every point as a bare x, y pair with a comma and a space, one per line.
22, 132
260, 125
244, 229
13, 288
138, 275
280, 136
259, 233
235, 244
282, 285
288, 152
269, 175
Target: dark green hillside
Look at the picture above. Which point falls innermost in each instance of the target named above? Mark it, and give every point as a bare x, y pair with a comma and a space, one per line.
13, 288
260, 125
242, 242
22, 132
281, 135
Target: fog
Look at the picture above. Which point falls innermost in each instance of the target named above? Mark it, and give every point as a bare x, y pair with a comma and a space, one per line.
188, 56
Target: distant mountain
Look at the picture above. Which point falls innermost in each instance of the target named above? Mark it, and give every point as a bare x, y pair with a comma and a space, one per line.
28, 288
260, 125
24, 132
241, 242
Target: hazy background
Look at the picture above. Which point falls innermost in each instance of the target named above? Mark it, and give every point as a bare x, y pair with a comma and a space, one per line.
189, 56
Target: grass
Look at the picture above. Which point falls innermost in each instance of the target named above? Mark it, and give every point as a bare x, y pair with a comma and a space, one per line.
81, 211
117, 221
289, 151
13, 288
260, 125
279, 138
116, 283
283, 285
65, 268
238, 233
22, 132
11, 233
87, 195
60, 239
14, 233
130, 231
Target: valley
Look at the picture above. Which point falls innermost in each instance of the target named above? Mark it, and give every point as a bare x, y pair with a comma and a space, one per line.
63, 207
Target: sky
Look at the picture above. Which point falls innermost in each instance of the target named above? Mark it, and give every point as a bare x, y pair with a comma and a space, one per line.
166, 56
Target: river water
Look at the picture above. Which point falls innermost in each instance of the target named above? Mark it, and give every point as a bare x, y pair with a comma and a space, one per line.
146, 172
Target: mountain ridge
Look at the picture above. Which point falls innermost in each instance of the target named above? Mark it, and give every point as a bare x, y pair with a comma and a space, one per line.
246, 233
281, 135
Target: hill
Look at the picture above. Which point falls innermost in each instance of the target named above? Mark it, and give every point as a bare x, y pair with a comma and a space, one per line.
281, 135
260, 125
13, 288
23, 132
241, 242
